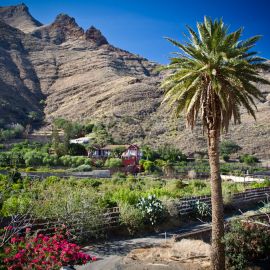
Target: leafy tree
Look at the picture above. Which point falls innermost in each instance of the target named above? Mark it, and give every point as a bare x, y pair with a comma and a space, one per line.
149, 153
76, 149
55, 139
88, 128
213, 76
101, 135
167, 152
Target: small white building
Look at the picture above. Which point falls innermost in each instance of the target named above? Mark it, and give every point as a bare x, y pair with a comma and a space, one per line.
82, 140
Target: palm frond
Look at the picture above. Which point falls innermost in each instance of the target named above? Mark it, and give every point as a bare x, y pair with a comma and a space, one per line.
214, 75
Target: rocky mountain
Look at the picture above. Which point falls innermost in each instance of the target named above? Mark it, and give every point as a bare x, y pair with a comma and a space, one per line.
19, 17
60, 70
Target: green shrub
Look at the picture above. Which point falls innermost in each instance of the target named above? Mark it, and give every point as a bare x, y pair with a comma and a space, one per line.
148, 166
265, 183
132, 218
248, 159
82, 168
5, 160
14, 205
93, 183
226, 157
14, 176
74, 205
202, 209
74, 161
114, 163
228, 147
34, 158
99, 163
124, 195
245, 242
198, 184
118, 177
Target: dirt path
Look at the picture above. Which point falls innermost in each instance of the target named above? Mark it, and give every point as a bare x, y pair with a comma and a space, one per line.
110, 254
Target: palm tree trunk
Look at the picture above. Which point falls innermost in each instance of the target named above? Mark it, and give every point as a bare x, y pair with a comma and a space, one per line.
218, 253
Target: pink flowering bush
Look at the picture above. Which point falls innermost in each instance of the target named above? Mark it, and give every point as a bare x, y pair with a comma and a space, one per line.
41, 252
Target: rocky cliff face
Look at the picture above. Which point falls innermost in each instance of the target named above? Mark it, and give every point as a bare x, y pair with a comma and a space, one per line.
19, 17
80, 76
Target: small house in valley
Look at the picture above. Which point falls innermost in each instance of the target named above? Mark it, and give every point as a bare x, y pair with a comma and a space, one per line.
130, 154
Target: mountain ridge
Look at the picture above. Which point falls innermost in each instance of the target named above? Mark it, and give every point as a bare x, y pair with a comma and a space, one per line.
60, 70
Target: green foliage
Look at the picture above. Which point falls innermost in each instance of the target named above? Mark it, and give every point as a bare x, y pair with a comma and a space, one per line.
227, 83
14, 176
132, 218
71, 129
226, 157
169, 153
13, 131
245, 242
148, 165
152, 209
101, 136
76, 149
99, 163
124, 195
33, 158
113, 163
149, 153
202, 209
88, 128
82, 168
33, 116
248, 159
71, 161
117, 152
118, 177
17, 204
72, 203
228, 148
265, 183
120, 189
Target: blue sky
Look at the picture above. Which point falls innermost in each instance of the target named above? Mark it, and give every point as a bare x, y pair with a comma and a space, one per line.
140, 25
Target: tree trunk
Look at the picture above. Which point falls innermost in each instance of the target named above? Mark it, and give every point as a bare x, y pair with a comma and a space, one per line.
217, 253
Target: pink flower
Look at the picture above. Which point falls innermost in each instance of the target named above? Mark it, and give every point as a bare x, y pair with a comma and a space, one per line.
13, 240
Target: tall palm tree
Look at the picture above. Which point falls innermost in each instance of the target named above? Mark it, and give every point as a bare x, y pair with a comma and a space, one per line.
212, 77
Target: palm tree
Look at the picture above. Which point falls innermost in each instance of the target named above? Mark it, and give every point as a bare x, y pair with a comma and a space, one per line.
211, 78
